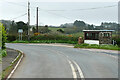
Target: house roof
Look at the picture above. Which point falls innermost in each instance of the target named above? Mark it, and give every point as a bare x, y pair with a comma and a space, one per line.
98, 30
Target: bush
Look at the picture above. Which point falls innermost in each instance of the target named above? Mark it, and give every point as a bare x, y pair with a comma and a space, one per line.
118, 42
54, 37
3, 35
117, 39
11, 37
3, 52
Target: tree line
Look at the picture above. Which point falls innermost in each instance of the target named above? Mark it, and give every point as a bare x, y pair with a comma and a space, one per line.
77, 26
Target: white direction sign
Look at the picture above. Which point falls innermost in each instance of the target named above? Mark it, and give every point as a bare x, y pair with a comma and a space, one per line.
20, 31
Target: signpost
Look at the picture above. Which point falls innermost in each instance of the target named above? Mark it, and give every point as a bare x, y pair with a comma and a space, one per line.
20, 31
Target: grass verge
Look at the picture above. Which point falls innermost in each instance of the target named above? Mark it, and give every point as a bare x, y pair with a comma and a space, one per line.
46, 41
7, 71
3, 53
107, 47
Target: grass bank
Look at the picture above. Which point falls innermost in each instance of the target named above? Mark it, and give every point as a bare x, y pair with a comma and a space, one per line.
95, 46
107, 47
8, 70
46, 41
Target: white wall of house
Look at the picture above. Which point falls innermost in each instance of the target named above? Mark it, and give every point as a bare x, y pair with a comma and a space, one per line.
91, 41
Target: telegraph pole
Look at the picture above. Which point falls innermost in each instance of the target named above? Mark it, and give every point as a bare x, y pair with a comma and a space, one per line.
37, 21
28, 19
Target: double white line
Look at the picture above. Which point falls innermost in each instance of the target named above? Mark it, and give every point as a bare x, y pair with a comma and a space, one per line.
9, 76
71, 62
74, 71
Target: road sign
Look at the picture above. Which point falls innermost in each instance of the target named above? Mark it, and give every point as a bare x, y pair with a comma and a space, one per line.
20, 31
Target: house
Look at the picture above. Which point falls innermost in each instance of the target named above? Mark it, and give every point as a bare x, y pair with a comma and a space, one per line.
98, 36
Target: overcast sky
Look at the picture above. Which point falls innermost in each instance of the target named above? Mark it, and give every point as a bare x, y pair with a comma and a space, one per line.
56, 12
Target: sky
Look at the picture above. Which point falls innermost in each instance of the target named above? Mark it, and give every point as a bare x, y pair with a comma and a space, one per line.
57, 12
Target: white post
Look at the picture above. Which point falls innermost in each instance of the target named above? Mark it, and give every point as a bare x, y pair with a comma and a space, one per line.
21, 36
113, 42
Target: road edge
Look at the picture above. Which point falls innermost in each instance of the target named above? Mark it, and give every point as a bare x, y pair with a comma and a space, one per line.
15, 64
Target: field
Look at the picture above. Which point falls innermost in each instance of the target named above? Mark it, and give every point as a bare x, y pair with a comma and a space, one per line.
78, 34
55, 29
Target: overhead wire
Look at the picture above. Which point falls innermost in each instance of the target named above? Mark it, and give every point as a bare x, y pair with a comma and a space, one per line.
50, 11
19, 16
15, 4
85, 8
56, 14
109, 6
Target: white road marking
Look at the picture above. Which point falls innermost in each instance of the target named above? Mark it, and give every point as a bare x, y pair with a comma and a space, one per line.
71, 65
16, 58
14, 68
73, 70
79, 70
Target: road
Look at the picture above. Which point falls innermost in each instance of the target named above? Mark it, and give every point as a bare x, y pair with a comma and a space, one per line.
47, 61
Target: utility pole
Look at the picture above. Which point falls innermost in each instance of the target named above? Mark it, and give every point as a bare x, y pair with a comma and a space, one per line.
37, 21
28, 19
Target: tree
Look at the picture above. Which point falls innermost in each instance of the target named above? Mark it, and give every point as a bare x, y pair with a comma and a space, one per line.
22, 25
79, 23
34, 30
2, 36
18, 25
60, 30
13, 29
43, 29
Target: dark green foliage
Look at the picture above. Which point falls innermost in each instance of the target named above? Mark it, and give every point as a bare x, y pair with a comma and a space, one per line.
4, 53
79, 23
34, 30
13, 28
46, 41
11, 37
109, 25
90, 27
117, 39
3, 36
60, 30
43, 29
118, 42
54, 37
22, 25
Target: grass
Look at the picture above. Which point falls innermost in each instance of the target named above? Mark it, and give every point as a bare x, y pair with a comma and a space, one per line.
46, 41
55, 29
3, 53
0, 58
107, 47
79, 34
7, 71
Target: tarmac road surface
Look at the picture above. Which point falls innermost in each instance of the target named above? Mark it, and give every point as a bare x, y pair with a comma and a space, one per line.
46, 61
